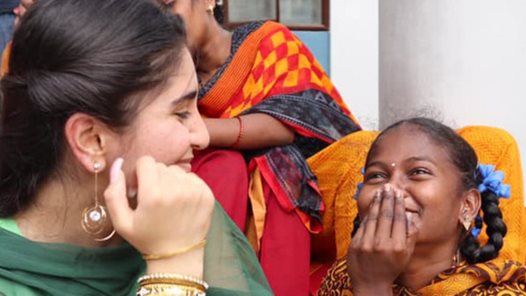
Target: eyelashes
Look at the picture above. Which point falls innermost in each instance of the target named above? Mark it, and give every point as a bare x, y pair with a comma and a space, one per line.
182, 115
379, 176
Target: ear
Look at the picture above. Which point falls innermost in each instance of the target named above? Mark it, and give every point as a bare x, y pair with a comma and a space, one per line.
470, 205
209, 3
88, 140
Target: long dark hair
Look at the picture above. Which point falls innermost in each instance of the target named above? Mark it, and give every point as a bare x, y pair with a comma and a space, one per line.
465, 159
99, 57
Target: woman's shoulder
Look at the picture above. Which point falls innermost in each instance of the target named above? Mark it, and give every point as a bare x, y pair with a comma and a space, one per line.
262, 27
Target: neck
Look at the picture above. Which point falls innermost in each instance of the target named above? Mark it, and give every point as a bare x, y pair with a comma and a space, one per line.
426, 263
213, 53
56, 212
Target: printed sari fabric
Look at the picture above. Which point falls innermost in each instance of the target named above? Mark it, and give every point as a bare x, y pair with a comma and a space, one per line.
271, 71
495, 277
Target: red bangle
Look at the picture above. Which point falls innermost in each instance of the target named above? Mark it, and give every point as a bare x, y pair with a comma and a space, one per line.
240, 134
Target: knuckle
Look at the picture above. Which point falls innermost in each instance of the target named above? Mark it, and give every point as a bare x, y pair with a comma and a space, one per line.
398, 248
366, 249
378, 244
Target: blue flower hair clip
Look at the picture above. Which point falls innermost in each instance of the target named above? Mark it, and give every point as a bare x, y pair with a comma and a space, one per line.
492, 181
359, 186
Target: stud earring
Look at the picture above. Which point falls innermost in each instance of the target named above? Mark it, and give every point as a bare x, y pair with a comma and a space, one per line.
210, 8
94, 218
393, 164
466, 221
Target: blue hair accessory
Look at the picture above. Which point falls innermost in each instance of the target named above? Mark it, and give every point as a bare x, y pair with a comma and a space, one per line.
359, 186
492, 181
475, 231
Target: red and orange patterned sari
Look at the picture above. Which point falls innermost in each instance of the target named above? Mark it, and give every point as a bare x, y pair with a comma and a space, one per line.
271, 71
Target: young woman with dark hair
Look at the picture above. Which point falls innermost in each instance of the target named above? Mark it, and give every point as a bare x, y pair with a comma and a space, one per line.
98, 84
421, 208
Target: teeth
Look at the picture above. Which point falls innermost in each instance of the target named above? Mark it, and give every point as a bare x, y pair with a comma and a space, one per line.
132, 193
408, 217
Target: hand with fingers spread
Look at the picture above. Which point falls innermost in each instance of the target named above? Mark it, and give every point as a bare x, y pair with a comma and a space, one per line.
382, 246
174, 210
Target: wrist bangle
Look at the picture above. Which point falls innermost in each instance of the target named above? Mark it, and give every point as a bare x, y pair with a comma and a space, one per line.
240, 134
173, 279
195, 246
168, 290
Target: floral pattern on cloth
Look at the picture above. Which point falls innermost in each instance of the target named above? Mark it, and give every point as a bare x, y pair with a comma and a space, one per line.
492, 278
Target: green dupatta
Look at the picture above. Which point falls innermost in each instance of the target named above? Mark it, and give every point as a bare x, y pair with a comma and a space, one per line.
31, 268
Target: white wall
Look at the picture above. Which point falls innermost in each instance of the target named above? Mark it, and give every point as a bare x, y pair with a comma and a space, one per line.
464, 60
354, 56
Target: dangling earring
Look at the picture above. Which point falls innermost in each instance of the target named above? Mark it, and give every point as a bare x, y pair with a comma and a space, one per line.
466, 221
94, 218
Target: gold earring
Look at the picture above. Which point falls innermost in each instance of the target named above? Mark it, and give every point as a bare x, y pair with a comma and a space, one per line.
466, 221
94, 218
210, 8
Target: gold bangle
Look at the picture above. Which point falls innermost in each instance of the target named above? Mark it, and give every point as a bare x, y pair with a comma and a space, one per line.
174, 281
195, 246
172, 278
168, 290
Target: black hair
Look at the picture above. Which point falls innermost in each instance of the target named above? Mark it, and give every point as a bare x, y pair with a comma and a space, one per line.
219, 14
98, 57
463, 156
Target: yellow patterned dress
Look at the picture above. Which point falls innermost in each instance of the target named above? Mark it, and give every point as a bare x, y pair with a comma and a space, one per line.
497, 277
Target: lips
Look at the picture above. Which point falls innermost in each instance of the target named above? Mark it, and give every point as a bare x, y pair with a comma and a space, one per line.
185, 164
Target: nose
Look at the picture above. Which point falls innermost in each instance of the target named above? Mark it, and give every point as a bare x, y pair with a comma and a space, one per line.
199, 136
398, 181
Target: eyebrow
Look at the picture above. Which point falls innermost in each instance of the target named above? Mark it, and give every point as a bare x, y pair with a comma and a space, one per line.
410, 159
421, 158
186, 97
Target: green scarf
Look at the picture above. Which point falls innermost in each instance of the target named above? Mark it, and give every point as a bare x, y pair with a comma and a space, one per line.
231, 267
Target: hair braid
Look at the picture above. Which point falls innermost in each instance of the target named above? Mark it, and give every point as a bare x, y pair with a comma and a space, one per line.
495, 229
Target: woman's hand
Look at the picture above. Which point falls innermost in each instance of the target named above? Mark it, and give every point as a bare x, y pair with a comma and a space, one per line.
382, 246
174, 210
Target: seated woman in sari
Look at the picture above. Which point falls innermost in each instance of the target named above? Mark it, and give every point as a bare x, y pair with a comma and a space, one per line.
263, 93
420, 209
101, 82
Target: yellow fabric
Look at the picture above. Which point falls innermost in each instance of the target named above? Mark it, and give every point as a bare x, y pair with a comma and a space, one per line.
338, 171
337, 168
5, 59
256, 221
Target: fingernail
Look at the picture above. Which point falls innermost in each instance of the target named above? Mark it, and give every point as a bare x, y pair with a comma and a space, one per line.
115, 169
398, 195
387, 187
